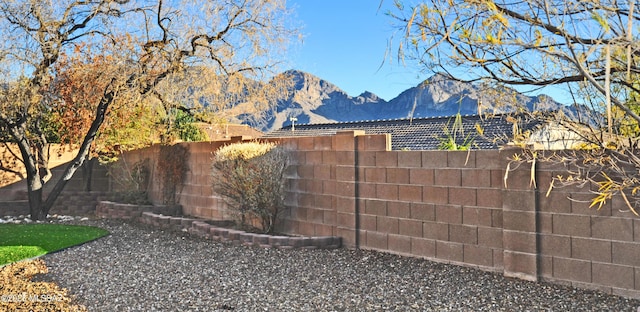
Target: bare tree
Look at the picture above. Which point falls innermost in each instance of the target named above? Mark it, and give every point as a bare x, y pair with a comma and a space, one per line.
530, 42
147, 42
590, 48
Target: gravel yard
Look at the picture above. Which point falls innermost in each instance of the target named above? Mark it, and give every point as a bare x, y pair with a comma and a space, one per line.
144, 269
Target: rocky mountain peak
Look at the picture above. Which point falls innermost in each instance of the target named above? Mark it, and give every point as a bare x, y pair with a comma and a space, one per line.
315, 100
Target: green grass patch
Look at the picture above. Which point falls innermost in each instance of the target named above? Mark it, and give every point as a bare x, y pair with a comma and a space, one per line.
9, 254
23, 241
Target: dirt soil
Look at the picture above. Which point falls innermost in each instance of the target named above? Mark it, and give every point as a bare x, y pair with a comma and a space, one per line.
18, 292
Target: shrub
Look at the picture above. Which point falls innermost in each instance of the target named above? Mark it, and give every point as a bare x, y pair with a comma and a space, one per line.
186, 128
250, 177
173, 164
132, 181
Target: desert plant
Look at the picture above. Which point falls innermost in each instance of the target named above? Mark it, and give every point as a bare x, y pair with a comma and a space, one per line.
250, 177
173, 164
132, 181
454, 137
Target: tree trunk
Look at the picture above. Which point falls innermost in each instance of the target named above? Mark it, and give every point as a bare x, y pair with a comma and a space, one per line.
39, 209
34, 181
83, 152
87, 174
34, 189
35, 205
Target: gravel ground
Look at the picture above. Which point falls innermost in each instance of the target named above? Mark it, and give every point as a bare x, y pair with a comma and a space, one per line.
143, 269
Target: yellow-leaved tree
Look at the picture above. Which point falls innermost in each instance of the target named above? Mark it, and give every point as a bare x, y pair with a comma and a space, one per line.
588, 49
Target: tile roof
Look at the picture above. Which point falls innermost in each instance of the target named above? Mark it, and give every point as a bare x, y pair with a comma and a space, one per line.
417, 133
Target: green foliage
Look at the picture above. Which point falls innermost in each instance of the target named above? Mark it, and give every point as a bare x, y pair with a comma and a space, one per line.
181, 125
191, 133
50, 127
126, 130
46, 124
625, 124
250, 176
455, 138
21, 241
186, 129
173, 164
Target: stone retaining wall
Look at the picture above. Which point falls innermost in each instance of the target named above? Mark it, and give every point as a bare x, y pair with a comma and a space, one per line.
14, 208
153, 216
111, 210
76, 203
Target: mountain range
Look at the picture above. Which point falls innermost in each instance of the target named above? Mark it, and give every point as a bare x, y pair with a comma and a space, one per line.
314, 100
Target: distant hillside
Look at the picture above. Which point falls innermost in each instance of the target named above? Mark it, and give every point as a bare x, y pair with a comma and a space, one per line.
314, 100
438, 96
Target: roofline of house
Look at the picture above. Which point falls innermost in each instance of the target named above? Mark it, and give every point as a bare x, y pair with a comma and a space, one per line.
360, 122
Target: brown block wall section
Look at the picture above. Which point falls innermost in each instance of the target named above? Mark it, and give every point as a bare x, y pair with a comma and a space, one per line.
446, 206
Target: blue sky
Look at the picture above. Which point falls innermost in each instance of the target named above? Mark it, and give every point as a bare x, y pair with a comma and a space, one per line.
345, 42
